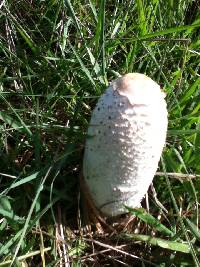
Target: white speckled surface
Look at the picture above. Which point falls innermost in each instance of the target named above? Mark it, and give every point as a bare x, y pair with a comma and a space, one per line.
126, 136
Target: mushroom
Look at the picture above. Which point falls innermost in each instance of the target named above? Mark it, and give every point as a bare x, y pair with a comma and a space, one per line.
124, 143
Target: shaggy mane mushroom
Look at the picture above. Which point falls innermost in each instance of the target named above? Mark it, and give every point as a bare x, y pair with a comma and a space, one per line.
125, 140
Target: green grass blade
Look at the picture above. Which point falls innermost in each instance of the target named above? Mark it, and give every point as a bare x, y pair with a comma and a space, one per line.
24, 180
84, 68
166, 244
24, 257
193, 228
23, 33
150, 220
165, 32
193, 252
141, 17
28, 131
11, 121
40, 188
69, 5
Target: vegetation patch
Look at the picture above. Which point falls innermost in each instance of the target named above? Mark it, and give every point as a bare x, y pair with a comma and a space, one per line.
56, 58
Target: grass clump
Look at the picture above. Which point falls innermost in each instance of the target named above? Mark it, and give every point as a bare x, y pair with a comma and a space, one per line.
57, 57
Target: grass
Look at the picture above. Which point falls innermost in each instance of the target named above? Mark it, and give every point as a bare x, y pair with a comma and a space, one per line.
57, 57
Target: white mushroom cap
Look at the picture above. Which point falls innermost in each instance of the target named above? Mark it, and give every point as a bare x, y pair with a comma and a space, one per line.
138, 88
126, 136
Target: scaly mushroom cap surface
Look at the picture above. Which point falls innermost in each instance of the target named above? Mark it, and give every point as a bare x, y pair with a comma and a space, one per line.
125, 139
